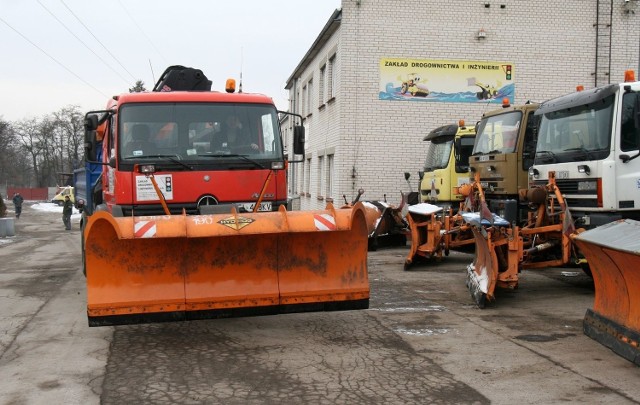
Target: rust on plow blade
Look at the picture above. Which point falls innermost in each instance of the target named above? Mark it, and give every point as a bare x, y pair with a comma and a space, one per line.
504, 249
487, 269
171, 268
481, 280
613, 254
385, 224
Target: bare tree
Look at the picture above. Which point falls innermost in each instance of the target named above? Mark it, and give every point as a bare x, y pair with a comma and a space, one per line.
69, 130
15, 168
26, 132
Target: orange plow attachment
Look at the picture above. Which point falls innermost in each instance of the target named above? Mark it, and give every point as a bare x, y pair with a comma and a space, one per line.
613, 254
434, 232
496, 258
170, 268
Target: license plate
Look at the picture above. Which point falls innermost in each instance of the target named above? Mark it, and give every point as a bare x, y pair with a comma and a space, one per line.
483, 158
264, 206
562, 174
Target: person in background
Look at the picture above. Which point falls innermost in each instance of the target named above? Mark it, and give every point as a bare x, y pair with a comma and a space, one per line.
17, 203
3, 208
67, 208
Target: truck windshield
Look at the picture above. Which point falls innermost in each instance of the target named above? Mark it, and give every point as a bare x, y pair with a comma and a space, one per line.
498, 133
438, 153
576, 134
198, 132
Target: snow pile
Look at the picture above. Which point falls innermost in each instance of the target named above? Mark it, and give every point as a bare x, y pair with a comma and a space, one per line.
51, 207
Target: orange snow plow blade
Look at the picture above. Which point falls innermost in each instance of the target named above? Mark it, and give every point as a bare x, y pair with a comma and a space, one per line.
172, 268
613, 254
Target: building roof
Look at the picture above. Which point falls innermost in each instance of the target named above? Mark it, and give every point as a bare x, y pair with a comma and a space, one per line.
329, 29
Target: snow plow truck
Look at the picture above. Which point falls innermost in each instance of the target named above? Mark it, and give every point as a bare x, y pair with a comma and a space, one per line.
183, 221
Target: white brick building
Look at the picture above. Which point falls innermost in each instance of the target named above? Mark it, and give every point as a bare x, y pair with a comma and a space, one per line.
356, 139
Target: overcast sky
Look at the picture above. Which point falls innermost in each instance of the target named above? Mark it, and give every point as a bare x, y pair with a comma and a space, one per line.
56, 53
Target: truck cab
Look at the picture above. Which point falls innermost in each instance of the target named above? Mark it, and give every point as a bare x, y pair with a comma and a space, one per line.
503, 152
447, 164
184, 149
591, 140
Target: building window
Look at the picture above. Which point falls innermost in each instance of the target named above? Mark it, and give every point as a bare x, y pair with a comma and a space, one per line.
322, 84
303, 101
332, 78
309, 98
300, 176
307, 177
329, 178
320, 175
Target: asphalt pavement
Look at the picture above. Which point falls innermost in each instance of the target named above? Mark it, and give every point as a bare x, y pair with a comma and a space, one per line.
422, 341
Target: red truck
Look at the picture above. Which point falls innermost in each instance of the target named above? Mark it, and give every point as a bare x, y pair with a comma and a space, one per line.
170, 194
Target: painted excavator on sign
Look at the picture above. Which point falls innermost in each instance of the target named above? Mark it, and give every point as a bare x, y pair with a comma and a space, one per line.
184, 200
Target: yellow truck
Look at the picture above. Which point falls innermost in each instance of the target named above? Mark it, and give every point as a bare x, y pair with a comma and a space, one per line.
62, 193
447, 164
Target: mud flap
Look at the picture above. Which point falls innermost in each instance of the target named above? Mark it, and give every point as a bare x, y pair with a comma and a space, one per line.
613, 254
168, 268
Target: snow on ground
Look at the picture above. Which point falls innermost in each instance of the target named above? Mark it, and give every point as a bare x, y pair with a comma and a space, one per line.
46, 207
51, 207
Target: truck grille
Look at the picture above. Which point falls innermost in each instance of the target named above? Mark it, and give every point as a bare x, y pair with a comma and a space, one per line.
571, 192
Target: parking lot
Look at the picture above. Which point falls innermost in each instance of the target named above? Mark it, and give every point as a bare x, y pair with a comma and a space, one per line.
421, 341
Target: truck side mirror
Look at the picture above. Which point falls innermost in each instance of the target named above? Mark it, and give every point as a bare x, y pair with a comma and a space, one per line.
298, 140
90, 126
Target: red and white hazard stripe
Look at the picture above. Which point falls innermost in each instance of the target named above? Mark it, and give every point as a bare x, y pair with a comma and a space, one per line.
144, 229
324, 222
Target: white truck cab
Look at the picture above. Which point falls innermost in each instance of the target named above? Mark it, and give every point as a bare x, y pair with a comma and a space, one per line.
591, 140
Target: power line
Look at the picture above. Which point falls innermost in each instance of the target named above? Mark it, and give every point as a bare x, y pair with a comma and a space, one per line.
140, 29
52, 58
105, 48
83, 43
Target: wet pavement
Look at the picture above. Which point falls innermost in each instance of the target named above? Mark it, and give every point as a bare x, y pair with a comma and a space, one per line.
421, 341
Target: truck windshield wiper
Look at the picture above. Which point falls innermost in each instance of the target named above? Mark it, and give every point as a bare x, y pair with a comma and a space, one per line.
244, 157
548, 153
172, 158
582, 149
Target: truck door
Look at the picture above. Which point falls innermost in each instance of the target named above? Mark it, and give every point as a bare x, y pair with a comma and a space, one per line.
109, 151
628, 174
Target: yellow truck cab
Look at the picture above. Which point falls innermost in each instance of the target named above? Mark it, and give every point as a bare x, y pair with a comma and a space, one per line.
447, 164
62, 193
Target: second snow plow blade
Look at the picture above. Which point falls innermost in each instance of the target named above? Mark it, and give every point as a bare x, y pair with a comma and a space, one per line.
613, 254
170, 268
